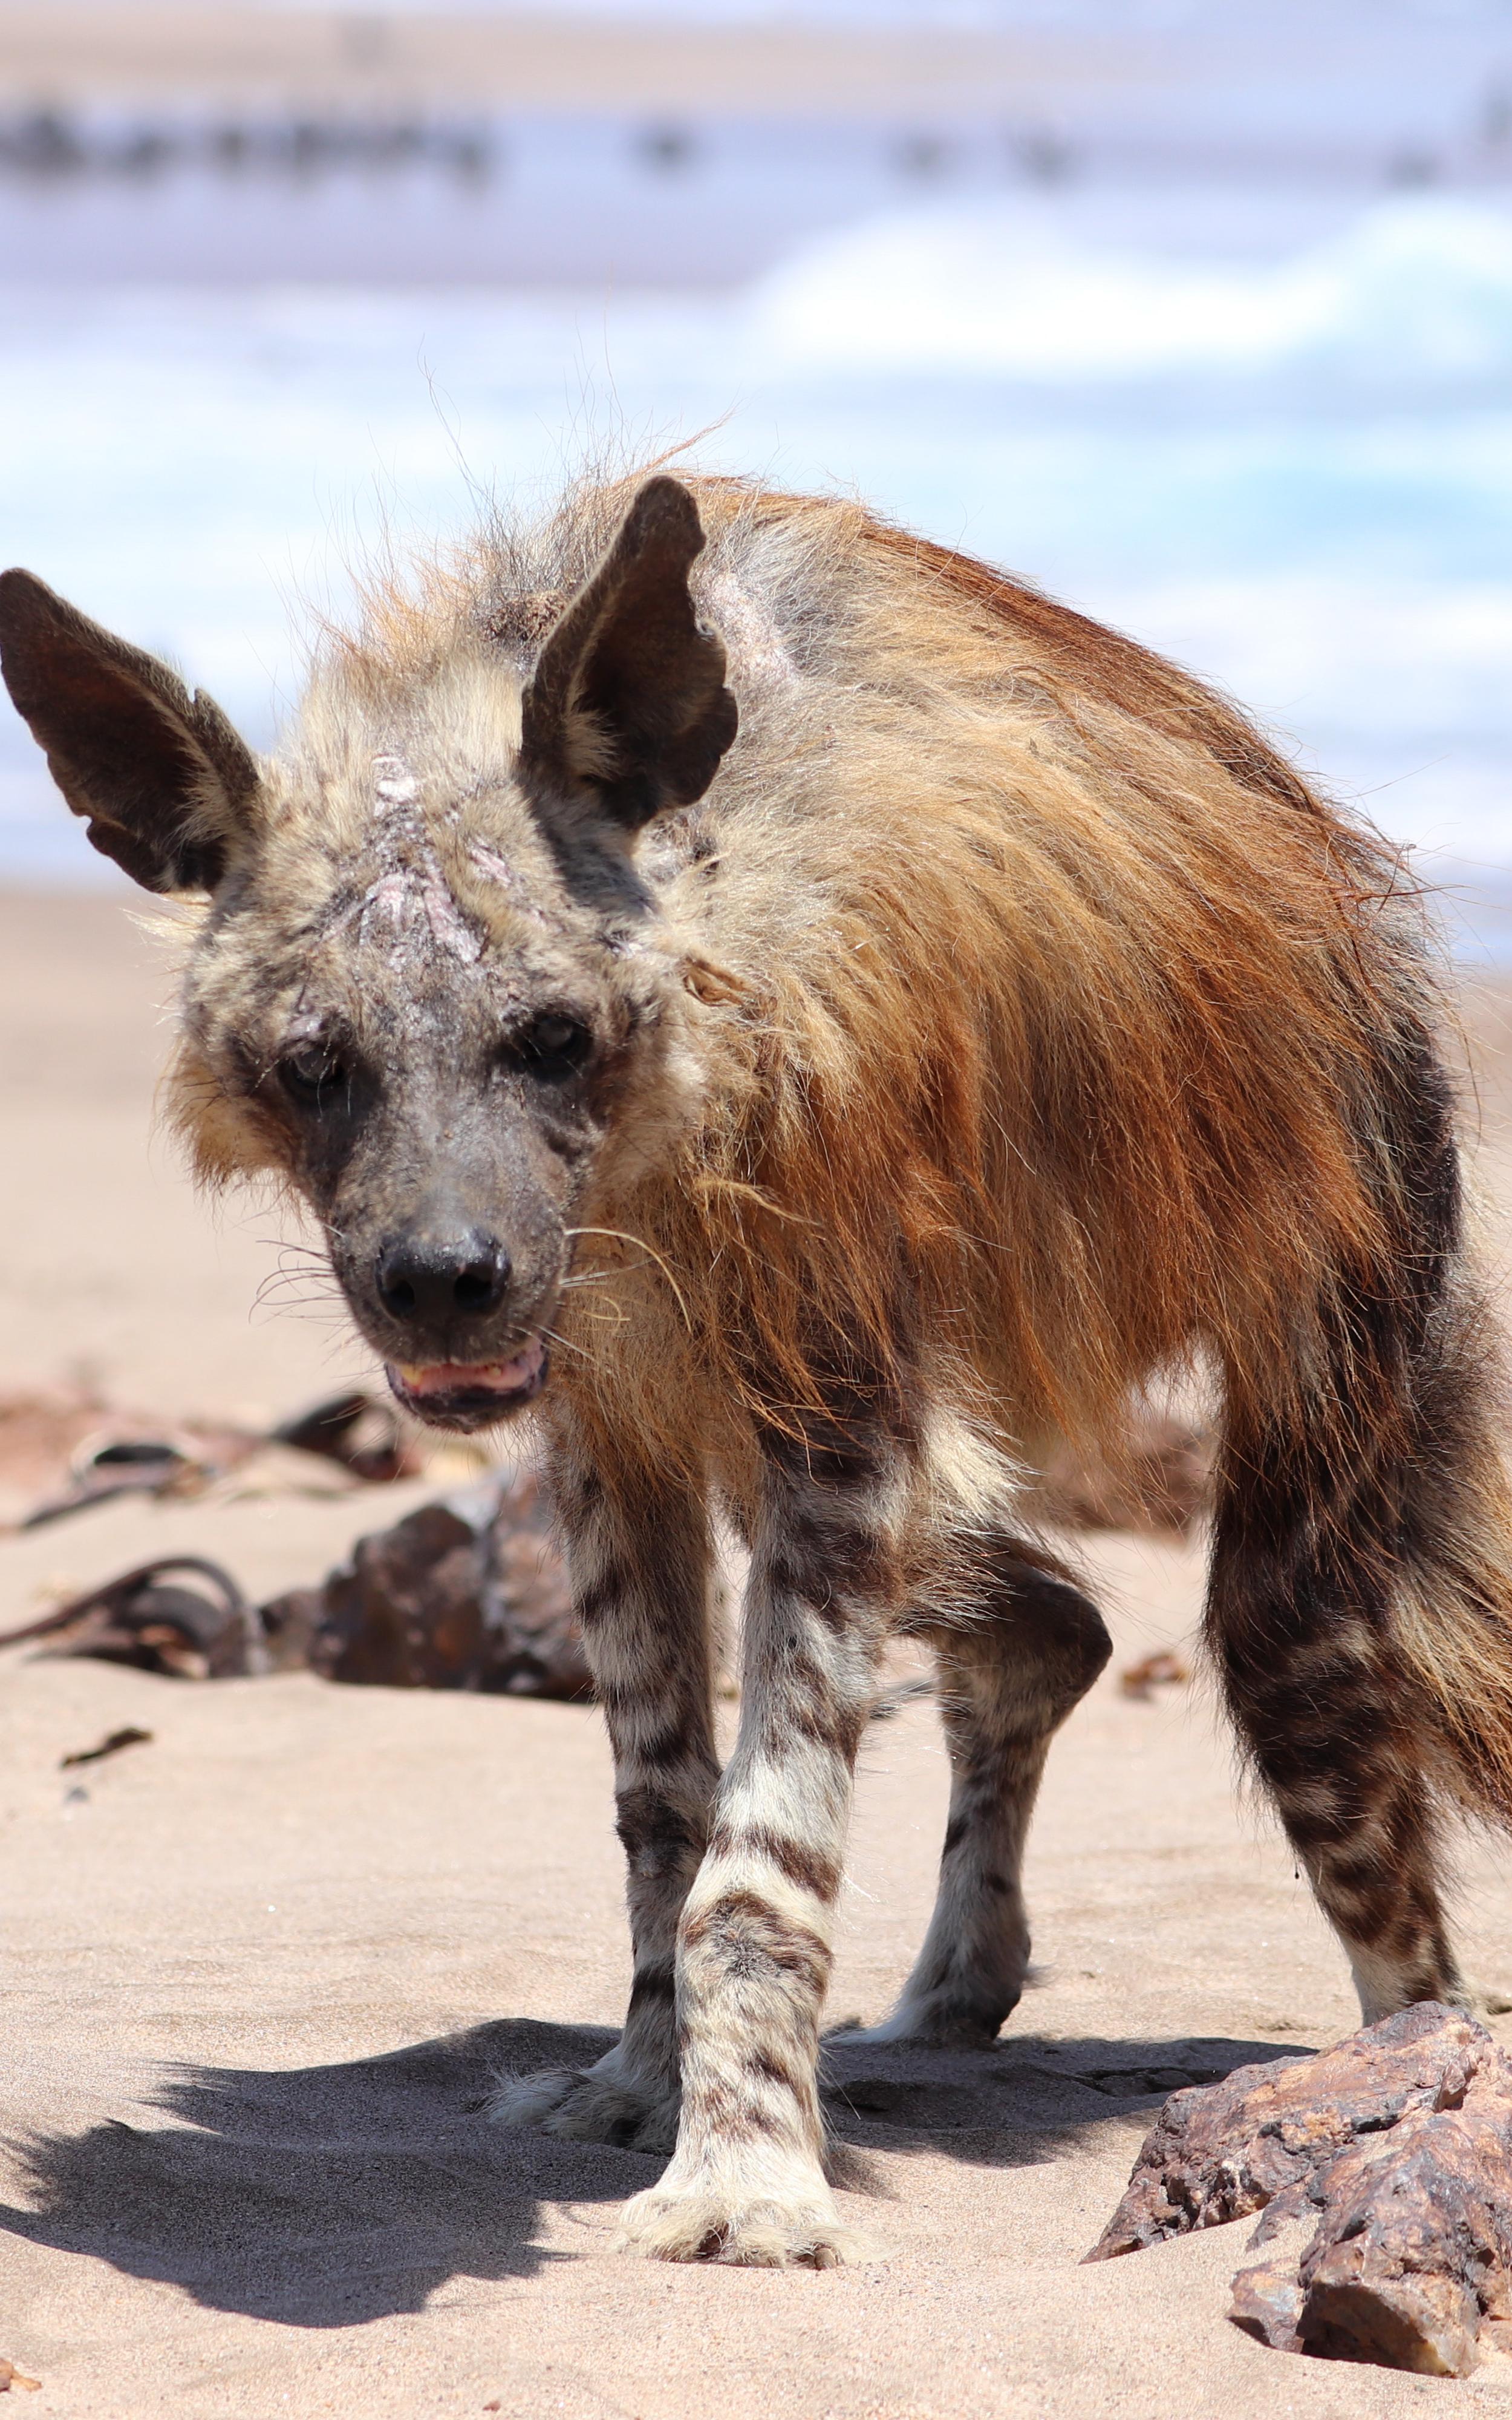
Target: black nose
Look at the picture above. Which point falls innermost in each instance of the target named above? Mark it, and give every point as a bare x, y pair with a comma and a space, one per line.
435, 1280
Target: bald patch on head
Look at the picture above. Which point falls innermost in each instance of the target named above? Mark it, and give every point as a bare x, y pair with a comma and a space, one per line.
408, 909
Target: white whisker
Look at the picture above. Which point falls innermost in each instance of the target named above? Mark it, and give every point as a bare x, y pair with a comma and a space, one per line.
617, 1235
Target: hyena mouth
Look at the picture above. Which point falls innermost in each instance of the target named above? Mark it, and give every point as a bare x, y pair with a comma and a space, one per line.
469, 1394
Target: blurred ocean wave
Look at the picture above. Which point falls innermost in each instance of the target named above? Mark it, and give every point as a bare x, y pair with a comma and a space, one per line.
1291, 470
1412, 300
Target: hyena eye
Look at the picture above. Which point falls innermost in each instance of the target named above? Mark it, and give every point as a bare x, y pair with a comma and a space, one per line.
309, 1076
550, 1049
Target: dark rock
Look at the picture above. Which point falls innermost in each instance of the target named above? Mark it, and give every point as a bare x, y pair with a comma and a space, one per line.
468, 1592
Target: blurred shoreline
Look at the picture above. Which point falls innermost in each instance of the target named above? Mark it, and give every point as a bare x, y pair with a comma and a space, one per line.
1342, 73
537, 147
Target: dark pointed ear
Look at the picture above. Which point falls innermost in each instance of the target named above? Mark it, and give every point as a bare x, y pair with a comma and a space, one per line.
628, 706
162, 776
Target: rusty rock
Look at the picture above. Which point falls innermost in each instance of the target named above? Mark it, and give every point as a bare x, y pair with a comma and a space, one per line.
1395, 2149
1413, 2251
1221, 2151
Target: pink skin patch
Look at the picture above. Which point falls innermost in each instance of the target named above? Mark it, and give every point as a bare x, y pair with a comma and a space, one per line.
469, 1395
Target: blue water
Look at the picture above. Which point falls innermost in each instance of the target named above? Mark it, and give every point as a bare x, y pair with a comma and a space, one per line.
1285, 457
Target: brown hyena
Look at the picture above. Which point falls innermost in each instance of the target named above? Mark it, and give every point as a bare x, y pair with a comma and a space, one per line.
821, 1023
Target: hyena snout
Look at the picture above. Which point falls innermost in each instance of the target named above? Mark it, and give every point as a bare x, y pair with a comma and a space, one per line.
435, 1284
456, 1313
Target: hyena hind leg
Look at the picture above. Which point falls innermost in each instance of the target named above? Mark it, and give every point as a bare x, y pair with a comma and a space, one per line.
1007, 1680
1357, 1606
1336, 1731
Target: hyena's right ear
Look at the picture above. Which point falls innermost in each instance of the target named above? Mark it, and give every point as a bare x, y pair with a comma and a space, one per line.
162, 776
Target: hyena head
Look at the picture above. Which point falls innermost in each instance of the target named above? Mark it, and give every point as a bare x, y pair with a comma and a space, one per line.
427, 990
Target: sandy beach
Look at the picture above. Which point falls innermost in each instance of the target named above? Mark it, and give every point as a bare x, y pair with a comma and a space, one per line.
260, 1969
536, 59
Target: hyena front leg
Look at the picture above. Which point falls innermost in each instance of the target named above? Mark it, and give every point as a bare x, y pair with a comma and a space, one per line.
640, 1558
747, 2184
1008, 1678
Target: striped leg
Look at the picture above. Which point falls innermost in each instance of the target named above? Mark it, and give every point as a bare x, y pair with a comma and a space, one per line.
1007, 1681
640, 1561
1359, 1583
747, 2184
1338, 1730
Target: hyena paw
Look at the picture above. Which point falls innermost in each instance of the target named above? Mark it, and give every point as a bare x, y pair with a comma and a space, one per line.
764, 2232
583, 2106
925, 2024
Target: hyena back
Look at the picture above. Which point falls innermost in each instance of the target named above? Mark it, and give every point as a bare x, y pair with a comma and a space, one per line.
819, 1023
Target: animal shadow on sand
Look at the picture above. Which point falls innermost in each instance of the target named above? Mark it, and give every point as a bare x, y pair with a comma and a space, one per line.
326, 2196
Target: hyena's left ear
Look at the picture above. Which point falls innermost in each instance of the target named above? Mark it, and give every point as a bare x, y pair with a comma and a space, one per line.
627, 709
162, 776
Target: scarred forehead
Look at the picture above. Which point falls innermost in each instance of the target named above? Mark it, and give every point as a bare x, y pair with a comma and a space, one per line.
421, 902
400, 859
407, 907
